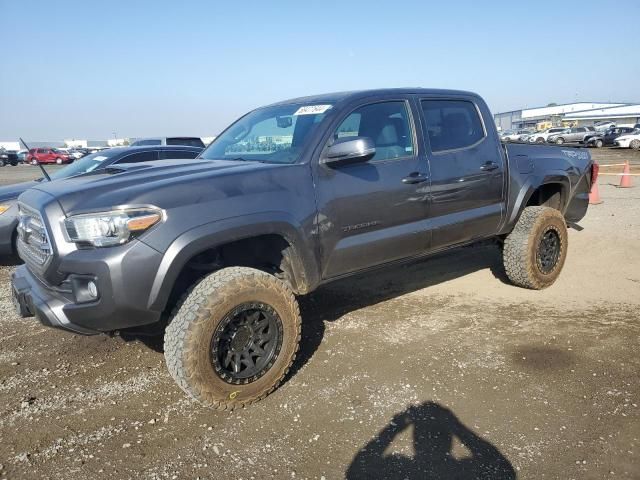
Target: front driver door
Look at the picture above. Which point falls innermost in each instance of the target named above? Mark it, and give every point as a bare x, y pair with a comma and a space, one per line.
376, 211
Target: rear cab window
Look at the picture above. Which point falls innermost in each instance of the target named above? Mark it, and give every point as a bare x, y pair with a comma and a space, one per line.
187, 141
452, 124
175, 154
140, 157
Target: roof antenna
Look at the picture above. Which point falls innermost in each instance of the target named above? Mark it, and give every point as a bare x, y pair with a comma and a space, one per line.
44, 172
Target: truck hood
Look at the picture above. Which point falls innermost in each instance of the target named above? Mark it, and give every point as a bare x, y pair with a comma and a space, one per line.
11, 192
164, 183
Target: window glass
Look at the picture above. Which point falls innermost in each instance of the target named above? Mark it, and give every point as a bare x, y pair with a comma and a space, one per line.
188, 141
452, 124
141, 143
139, 157
171, 154
387, 124
275, 134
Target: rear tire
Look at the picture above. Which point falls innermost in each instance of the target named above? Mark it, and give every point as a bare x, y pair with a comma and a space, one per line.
58, 161
599, 144
559, 140
540, 140
634, 144
535, 251
217, 325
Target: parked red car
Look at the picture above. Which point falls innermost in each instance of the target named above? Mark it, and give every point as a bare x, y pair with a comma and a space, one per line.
48, 155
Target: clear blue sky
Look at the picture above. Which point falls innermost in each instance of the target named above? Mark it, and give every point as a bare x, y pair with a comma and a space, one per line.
86, 69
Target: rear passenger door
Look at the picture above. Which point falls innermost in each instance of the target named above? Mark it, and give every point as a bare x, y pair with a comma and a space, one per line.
467, 171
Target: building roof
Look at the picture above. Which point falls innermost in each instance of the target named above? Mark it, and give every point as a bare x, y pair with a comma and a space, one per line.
622, 111
565, 109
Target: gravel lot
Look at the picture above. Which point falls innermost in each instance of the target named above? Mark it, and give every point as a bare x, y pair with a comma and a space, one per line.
397, 371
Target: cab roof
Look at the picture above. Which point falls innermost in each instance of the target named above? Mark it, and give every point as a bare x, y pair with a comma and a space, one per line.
343, 97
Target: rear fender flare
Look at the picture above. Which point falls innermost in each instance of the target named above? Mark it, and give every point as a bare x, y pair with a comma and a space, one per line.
531, 185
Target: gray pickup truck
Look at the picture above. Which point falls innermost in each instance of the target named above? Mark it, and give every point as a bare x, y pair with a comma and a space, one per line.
289, 197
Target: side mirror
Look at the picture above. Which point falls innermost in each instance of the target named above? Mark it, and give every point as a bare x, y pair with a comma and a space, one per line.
348, 150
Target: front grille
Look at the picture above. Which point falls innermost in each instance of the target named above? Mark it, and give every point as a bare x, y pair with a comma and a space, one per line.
34, 245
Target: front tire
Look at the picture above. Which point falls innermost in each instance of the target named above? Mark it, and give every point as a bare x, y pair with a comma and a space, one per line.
233, 337
58, 161
599, 144
535, 251
559, 140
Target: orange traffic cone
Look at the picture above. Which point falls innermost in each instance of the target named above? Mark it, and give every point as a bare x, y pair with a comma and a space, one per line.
594, 195
625, 179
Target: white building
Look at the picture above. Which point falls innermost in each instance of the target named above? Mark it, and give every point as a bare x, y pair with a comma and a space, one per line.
17, 146
622, 115
76, 143
555, 114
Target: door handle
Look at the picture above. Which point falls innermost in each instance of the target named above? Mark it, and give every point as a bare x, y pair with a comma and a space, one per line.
415, 177
488, 166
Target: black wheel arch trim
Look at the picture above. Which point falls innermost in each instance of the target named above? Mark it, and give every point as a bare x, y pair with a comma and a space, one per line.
530, 187
186, 246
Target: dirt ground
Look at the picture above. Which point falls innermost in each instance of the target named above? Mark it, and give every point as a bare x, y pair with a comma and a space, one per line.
439, 369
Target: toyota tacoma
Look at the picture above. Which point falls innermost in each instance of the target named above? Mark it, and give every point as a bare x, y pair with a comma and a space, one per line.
289, 197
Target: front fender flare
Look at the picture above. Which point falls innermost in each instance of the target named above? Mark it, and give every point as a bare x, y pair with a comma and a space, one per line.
218, 233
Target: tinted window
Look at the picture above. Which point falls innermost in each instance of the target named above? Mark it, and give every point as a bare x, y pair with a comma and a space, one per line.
387, 124
452, 124
141, 143
170, 154
139, 157
581, 130
189, 142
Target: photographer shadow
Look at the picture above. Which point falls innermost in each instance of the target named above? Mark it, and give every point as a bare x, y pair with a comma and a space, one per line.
434, 430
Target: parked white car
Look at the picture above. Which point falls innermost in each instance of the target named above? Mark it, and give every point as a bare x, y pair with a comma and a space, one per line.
515, 135
630, 140
603, 126
541, 137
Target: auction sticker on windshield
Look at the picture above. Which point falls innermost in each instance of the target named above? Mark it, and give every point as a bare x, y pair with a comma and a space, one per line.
312, 109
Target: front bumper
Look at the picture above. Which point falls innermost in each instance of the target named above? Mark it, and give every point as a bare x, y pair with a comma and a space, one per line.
124, 276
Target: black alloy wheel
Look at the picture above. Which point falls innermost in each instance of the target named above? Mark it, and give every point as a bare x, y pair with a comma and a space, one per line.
246, 343
548, 251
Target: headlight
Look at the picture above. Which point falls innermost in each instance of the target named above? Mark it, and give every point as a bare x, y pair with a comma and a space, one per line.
106, 229
4, 207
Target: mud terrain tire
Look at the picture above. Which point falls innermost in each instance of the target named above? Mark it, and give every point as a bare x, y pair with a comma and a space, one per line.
535, 251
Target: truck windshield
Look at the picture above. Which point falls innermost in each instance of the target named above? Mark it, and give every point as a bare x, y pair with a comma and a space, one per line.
277, 134
85, 165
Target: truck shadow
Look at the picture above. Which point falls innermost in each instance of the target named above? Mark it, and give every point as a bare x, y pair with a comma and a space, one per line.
434, 430
334, 300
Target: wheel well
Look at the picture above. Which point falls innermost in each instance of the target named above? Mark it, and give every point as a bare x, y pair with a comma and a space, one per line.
270, 253
548, 195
